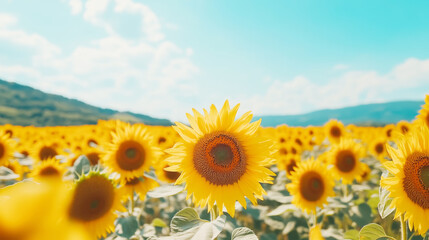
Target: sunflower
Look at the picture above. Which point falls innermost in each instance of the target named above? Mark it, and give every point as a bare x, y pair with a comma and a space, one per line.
17, 168
310, 185
94, 201
388, 131
140, 186
409, 182
366, 173
49, 168
165, 175
334, 130
345, 157
222, 160
423, 116
378, 149
44, 150
403, 126
131, 152
6, 148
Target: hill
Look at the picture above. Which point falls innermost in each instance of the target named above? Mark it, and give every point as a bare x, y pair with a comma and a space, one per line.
23, 105
376, 114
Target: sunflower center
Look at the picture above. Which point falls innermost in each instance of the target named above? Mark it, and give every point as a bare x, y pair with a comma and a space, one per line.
171, 175
416, 179
161, 140
282, 140
311, 186
133, 181
93, 158
222, 155
219, 158
93, 197
389, 133
290, 167
1, 150
404, 129
130, 155
335, 131
283, 151
424, 176
49, 171
379, 148
346, 161
47, 152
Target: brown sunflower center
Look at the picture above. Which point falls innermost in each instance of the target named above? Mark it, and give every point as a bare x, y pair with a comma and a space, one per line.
92, 199
161, 140
1, 150
379, 147
335, 131
389, 133
171, 175
404, 129
290, 166
311, 186
47, 152
283, 151
416, 179
298, 141
219, 158
9, 132
93, 158
282, 140
130, 155
49, 171
132, 182
345, 161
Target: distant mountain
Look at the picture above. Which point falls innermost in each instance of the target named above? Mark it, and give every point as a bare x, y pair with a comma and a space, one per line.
376, 114
22, 105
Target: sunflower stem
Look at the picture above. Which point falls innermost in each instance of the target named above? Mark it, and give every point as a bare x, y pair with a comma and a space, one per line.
403, 228
132, 202
314, 219
345, 190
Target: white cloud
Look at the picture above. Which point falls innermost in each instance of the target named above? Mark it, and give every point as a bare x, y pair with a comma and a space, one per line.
76, 6
150, 23
339, 67
7, 20
301, 95
148, 75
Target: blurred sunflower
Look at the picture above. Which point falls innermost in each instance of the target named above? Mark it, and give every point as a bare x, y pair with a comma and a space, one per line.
131, 152
423, 116
140, 186
334, 130
94, 201
33, 211
409, 182
50, 168
222, 160
6, 148
310, 185
403, 126
345, 157
165, 175
44, 150
378, 149
15, 167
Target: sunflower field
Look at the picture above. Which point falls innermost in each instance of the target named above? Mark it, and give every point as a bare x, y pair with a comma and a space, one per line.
219, 176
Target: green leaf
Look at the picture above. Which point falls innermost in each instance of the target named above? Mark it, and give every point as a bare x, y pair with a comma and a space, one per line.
81, 166
289, 227
352, 234
185, 219
384, 205
243, 233
282, 209
186, 224
126, 226
372, 231
157, 222
165, 191
362, 214
7, 174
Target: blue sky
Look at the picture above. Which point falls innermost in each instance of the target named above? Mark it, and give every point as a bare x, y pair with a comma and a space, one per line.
163, 58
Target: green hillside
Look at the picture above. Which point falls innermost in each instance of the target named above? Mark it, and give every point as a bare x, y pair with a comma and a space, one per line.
376, 114
22, 105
